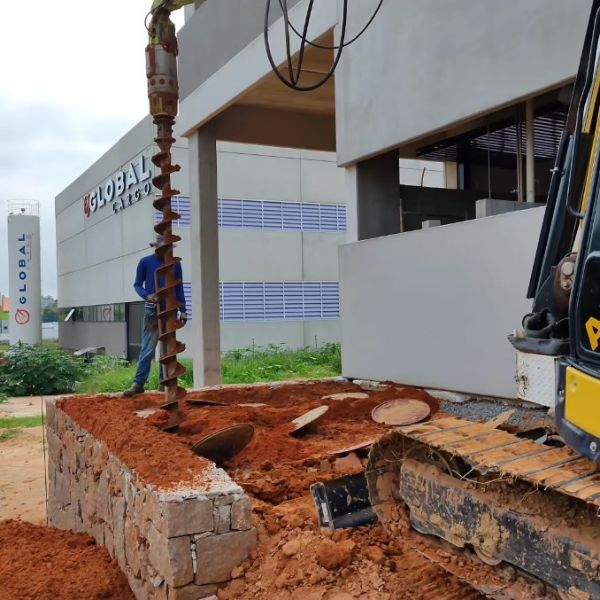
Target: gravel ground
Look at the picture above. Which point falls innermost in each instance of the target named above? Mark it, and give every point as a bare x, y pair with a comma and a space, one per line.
524, 417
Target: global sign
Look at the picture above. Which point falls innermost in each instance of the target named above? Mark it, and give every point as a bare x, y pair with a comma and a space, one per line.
23, 258
124, 188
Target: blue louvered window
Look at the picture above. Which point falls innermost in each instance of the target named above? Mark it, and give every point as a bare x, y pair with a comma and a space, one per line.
267, 214
278, 301
274, 300
181, 205
285, 216
187, 292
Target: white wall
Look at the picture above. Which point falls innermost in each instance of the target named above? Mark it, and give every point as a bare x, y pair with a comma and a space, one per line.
425, 65
433, 308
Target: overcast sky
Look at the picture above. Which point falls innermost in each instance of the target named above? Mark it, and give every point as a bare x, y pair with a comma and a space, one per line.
73, 82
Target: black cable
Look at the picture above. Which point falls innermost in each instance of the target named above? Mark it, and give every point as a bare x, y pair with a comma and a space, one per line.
346, 44
293, 81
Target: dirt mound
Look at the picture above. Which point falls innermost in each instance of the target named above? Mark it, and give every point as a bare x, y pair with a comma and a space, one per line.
157, 457
295, 560
40, 563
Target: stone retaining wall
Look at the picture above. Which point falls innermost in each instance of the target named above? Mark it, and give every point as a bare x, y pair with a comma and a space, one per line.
171, 545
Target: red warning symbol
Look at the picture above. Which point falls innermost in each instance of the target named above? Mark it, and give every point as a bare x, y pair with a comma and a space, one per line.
22, 316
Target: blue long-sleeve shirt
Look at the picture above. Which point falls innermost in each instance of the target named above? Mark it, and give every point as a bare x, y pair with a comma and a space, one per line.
144, 279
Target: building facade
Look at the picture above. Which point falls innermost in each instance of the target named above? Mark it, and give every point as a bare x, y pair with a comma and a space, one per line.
482, 85
281, 215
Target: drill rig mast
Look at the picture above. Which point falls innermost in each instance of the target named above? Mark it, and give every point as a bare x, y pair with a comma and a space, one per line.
163, 95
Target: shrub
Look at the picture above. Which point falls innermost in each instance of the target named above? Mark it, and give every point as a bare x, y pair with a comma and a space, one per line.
27, 370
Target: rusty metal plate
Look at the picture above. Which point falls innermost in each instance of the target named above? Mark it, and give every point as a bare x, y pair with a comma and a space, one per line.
172, 405
402, 411
205, 402
347, 449
224, 444
347, 396
309, 417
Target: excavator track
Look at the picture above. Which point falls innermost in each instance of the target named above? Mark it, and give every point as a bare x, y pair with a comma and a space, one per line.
511, 501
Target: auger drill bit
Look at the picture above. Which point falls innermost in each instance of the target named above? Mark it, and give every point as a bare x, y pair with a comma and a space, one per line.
163, 94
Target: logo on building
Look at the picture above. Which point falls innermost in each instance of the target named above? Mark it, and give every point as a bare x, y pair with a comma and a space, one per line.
124, 188
22, 316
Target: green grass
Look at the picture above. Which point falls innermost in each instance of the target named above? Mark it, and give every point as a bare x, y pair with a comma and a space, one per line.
20, 422
11, 427
247, 365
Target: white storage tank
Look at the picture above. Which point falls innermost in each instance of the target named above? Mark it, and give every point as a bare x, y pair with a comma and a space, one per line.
24, 271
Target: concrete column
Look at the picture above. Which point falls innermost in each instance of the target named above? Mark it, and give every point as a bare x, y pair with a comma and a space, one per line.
530, 161
373, 197
351, 196
206, 333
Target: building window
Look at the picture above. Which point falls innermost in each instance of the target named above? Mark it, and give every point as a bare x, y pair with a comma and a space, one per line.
102, 313
181, 205
279, 301
283, 216
268, 214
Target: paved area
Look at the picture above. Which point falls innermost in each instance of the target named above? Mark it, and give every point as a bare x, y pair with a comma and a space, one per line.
22, 484
29, 406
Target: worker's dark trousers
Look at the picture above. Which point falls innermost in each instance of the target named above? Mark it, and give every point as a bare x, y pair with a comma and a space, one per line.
148, 350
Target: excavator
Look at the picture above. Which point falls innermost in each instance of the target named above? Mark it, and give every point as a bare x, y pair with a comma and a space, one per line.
516, 518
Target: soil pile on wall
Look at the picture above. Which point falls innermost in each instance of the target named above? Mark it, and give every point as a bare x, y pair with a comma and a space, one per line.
40, 563
158, 458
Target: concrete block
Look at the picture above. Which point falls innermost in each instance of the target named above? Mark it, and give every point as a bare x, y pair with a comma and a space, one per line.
102, 498
118, 514
132, 548
222, 518
172, 558
241, 514
218, 554
50, 408
192, 592
187, 517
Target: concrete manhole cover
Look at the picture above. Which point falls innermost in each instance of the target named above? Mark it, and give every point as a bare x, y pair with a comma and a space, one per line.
224, 444
402, 411
309, 417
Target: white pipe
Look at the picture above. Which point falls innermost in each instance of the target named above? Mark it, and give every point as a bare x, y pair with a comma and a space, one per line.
529, 124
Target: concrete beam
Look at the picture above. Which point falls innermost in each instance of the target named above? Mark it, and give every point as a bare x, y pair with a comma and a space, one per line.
253, 125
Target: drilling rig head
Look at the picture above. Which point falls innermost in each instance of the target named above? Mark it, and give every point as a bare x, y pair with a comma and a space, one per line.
161, 65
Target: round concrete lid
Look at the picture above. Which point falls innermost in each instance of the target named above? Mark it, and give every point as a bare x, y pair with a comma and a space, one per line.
402, 411
224, 444
309, 417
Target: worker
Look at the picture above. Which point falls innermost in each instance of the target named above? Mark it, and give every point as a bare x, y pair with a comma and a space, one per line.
145, 288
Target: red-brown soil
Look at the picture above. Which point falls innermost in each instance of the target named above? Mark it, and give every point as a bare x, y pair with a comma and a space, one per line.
158, 458
295, 559
165, 460
40, 563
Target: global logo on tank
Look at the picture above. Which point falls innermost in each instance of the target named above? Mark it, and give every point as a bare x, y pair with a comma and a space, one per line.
123, 189
22, 315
